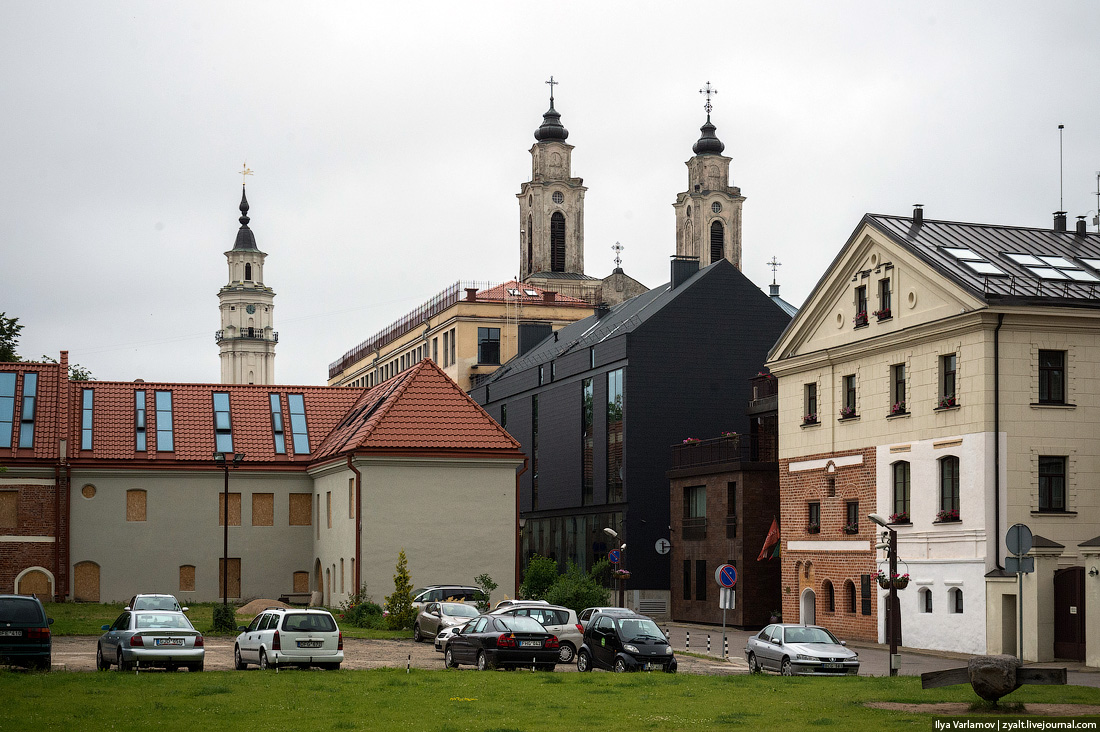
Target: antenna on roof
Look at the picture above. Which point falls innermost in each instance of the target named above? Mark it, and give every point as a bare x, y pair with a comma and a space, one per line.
1060, 206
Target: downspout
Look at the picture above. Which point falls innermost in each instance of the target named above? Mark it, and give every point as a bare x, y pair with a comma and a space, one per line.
57, 530
358, 524
519, 546
997, 441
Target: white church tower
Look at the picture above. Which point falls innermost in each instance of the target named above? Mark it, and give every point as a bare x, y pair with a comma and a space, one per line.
708, 214
246, 339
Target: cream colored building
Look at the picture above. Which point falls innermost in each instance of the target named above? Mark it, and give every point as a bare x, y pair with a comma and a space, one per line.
941, 367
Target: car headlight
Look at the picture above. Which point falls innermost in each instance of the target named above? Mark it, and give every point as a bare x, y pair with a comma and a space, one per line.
668, 650
804, 657
630, 648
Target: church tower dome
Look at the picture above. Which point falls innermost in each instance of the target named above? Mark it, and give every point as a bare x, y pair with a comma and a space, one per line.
708, 142
551, 127
247, 338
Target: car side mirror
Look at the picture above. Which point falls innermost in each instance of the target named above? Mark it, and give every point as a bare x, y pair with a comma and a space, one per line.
242, 628
49, 621
844, 643
183, 610
104, 627
126, 609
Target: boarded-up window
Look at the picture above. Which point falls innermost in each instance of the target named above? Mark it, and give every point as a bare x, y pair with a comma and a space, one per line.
9, 509
187, 578
35, 582
263, 509
234, 511
86, 582
301, 581
234, 575
135, 505
300, 514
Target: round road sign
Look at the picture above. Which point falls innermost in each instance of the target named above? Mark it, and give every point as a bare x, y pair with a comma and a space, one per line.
613, 556
1018, 539
726, 575
663, 546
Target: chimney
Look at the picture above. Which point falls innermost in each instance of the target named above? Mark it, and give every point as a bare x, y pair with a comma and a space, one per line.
549, 296
1081, 225
918, 213
602, 309
1059, 220
471, 294
682, 269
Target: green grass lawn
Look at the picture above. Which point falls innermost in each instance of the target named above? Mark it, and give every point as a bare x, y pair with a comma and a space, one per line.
448, 701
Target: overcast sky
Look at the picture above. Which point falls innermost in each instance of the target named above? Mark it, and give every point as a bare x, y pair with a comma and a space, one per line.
388, 141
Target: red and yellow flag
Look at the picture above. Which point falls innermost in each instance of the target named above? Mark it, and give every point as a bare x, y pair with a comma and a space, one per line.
770, 541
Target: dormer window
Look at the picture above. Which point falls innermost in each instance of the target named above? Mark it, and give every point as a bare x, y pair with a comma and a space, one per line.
223, 426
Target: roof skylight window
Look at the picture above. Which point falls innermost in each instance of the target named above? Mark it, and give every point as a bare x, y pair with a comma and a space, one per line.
985, 268
974, 261
532, 293
1053, 267
513, 292
961, 253
1094, 263
1026, 259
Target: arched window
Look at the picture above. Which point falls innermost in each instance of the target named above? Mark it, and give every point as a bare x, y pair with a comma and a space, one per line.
850, 595
830, 596
901, 492
530, 255
924, 600
949, 484
955, 600
557, 242
248, 273
717, 241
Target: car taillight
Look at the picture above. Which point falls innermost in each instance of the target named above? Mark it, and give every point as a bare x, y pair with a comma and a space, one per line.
340, 642
137, 640
551, 642
275, 645
580, 628
38, 633
506, 640
199, 642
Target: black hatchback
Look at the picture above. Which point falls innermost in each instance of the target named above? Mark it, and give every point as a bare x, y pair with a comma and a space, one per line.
625, 643
25, 638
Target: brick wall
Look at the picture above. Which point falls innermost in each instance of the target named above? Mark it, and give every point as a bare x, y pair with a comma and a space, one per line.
36, 518
816, 569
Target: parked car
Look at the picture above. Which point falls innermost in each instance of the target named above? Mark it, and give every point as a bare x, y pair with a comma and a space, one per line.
155, 602
621, 643
585, 616
467, 594
437, 615
491, 641
559, 620
795, 650
444, 636
508, 603
159, 638
25, 638
290, 636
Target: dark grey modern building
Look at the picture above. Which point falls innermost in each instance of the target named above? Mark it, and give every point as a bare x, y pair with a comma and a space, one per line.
597, 404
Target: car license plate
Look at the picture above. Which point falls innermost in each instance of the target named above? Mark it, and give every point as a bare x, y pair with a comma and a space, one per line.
169, 641
531, 644
309, 644
8, 633
832, 666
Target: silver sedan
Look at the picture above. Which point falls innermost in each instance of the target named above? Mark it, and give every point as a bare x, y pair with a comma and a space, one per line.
435, 616
150, 638
800, 650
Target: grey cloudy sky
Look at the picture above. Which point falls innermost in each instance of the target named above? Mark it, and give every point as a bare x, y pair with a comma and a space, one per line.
389, 140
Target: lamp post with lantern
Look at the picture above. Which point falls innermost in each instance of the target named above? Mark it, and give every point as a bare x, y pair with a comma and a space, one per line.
221, 459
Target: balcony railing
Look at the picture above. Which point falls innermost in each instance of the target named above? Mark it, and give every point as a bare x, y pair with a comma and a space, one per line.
761, 448
246, 334
695, 528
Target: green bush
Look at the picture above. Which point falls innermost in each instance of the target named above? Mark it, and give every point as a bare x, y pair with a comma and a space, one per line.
360, 611
486, 585
541, 574
577, 590
225, 618
400, 612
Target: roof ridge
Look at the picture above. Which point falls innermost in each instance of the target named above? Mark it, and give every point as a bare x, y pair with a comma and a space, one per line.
1047, 230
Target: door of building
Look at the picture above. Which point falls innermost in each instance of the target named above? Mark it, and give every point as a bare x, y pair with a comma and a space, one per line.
1069, 613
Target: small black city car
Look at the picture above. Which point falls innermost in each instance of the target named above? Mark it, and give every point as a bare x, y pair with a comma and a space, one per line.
25, 638
625, 643
489, 641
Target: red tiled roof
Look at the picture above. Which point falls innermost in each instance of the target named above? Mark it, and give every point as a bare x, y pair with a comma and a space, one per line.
420, 409
47, 407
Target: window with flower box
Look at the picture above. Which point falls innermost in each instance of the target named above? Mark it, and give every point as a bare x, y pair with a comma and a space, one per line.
949, 489
901, 471
809, 414
883, 312
948, 366
861, 306
848, 396
813, 519
897, 389
851, 523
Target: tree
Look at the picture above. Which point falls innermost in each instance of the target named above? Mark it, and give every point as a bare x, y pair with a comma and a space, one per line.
9, 338
486, 585
577, 590
399, 607
76, 371
541, 573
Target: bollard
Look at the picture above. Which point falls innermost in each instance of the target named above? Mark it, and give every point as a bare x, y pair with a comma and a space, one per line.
408, 663
726, 648
687, 643
708, 644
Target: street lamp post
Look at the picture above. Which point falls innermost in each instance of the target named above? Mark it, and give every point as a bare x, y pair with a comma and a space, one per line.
893, 609
220, 458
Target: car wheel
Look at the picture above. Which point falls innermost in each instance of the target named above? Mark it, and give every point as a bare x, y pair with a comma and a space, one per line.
263, 660
449, 660
330, 667
122, 665
195, 667
417, 638
754, 665
101, 663
786, 669
566, 652
584, 663
482, 661
620, 666
238, 662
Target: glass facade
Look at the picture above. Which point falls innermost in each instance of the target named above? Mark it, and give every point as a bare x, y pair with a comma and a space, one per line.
614, 436
578, 539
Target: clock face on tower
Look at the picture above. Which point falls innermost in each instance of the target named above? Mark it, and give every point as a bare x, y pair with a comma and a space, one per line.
250, 309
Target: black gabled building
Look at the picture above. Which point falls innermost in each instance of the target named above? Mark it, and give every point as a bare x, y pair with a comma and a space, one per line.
597, 404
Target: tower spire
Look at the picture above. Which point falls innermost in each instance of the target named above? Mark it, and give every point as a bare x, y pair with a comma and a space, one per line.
708, 142
245, 238
551, 128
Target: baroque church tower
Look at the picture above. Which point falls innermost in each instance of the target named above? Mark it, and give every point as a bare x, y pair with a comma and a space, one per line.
246, 339
551, 205
708, 214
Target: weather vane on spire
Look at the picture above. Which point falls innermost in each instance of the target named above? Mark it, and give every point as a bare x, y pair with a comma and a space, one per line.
774, 264
245, 171
552, 83
618, 248
708, 90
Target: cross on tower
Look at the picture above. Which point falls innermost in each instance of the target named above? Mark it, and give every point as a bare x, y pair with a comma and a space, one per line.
552, 83
774, 264
708, 90
617, 248
245, 171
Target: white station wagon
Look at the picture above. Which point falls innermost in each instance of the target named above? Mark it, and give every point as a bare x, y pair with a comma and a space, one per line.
290, 636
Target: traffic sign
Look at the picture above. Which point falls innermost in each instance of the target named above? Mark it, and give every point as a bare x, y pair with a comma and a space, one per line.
727, 598
663, 546
613, 556
1022, 565
726, 575
1018, 539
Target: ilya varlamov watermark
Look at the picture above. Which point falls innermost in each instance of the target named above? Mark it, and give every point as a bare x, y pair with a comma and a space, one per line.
1013, 724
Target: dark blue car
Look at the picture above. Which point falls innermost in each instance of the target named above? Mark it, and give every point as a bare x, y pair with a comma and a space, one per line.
25, 638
